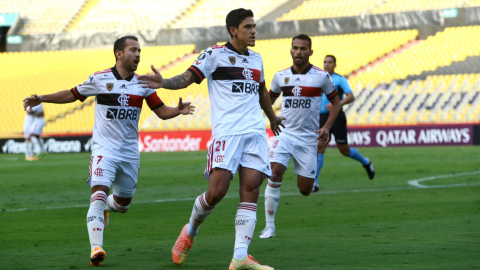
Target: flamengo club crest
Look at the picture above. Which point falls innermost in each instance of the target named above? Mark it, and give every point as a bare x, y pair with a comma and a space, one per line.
123, 99
297, 91
247, 73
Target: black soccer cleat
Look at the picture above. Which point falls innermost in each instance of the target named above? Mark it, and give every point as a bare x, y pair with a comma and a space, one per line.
370, 169
315, 188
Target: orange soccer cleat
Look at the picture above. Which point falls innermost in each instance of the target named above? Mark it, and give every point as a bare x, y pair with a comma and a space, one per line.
182, 247
247, 263
97, 256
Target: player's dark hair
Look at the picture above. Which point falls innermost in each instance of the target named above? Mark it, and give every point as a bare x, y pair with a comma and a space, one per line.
304, 37
333, 57
121, 43
236, 17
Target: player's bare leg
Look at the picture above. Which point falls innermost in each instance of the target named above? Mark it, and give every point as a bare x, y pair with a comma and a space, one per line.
305, 184
219, 182
97, 219
246, 218
272, 199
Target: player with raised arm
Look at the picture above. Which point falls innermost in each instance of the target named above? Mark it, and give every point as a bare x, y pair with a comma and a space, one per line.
339, 127
236, 86
115, 157
302, 86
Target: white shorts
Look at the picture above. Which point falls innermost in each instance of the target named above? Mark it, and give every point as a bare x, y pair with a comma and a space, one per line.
27, 125
121, 175
304, 156
38, 124
249, 150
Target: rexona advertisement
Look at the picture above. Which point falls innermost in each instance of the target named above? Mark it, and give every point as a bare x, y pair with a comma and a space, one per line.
199, 140
67, 144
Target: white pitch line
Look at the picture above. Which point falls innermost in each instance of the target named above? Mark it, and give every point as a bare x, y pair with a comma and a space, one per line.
414, 183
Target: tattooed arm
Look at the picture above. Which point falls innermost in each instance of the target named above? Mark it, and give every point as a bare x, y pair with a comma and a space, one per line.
155, 81
179, 82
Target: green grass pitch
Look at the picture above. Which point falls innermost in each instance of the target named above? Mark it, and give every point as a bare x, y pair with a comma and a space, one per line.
353, 223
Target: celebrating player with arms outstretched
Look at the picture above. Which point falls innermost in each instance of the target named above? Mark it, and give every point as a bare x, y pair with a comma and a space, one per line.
115, 155
302, 86
236, 86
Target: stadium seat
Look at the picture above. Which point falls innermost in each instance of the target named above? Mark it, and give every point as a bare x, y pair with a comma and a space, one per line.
47, 72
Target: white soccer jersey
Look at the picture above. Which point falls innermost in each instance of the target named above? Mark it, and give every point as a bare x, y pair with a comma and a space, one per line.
302, 100
38, 109
118, 105
233, 83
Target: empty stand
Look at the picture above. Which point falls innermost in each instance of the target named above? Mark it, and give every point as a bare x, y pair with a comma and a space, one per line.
392, 6
124, 15
453, 44
314, 9
213, 12
49, 72
49, 16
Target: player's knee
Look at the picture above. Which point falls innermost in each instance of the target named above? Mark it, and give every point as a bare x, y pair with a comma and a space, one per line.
276, 178
306, 191
214, 197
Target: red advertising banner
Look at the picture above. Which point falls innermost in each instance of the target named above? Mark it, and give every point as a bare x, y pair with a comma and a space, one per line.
174, 141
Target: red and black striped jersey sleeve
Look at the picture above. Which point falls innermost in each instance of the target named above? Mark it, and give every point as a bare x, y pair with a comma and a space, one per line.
154, 101
197, 74
77, 95
332, 95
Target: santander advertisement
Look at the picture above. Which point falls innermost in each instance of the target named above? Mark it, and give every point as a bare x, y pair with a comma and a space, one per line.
198, 140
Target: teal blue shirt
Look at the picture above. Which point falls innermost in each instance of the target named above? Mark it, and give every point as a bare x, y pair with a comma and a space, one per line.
342, 87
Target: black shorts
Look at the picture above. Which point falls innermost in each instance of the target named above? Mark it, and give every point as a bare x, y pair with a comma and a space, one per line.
339, 127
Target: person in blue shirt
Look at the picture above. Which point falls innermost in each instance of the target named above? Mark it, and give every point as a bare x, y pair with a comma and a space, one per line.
339, 127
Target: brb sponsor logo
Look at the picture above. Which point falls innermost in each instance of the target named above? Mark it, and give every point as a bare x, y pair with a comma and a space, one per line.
122, 114
245, 87
298, 103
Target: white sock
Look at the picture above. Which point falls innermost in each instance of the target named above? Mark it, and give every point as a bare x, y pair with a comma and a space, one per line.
28, 149
36, 145
272, 199
95, 222
113, 206
245, 222
200, 211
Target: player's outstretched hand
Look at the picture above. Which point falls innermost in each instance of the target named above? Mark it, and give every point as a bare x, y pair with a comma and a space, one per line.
185, 108
323, 135
31, 102
153, 81
276, 123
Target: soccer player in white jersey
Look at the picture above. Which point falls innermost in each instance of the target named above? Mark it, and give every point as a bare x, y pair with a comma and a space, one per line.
236, 86
115, 157
27, 134
302, 86
37, 128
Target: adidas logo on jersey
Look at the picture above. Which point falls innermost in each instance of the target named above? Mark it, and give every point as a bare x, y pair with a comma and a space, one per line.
123, 87
245, 61
297, 79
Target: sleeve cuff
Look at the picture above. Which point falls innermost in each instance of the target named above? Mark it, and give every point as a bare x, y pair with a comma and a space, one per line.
262, 84
157, 106
77, 95
197, 74
332, 95
273, 94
